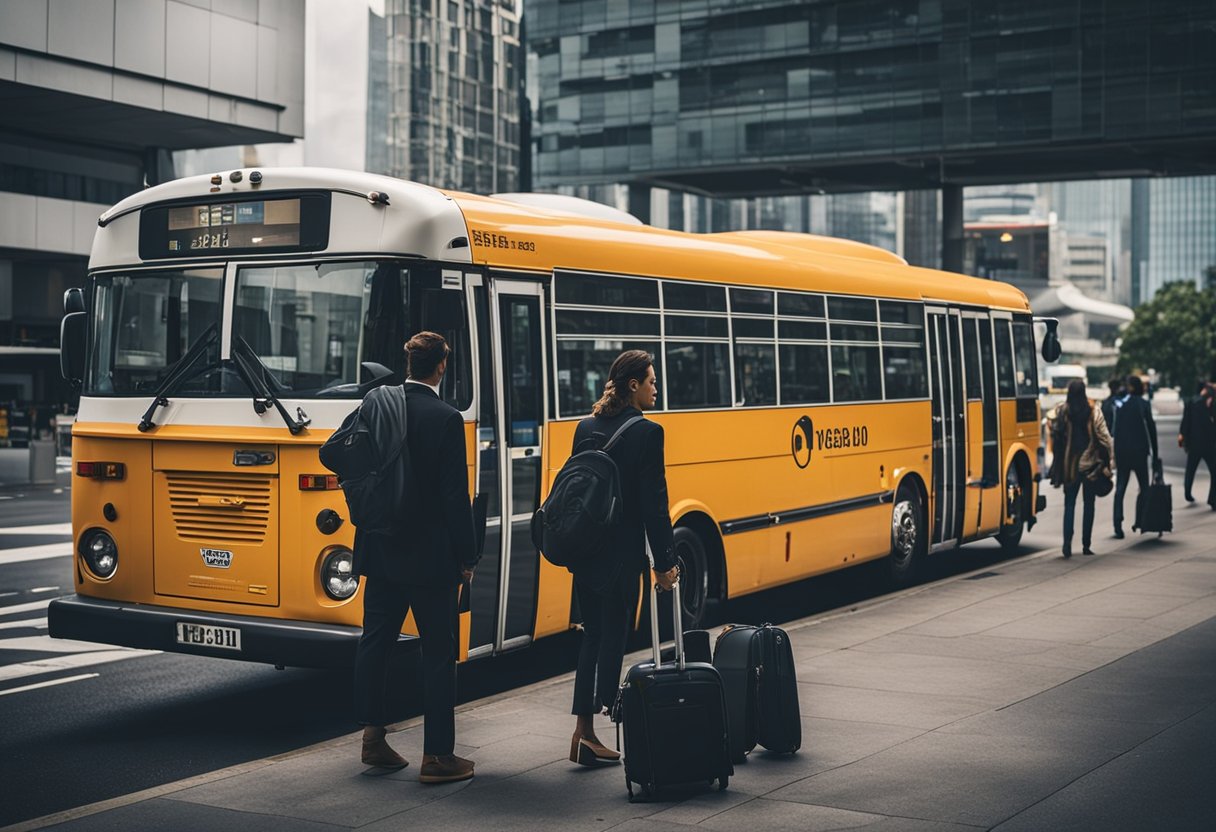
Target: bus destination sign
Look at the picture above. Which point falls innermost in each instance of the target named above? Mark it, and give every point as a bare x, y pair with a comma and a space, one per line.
234, 225
299, 222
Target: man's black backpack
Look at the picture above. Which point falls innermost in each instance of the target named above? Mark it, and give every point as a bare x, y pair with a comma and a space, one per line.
370, 457
570, 529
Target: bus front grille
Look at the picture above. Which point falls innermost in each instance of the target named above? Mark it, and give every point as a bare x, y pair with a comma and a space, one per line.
210, 508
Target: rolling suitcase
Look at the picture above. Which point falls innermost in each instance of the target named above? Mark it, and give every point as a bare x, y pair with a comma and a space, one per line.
738, 664
1154, 506
778, 719
673, 717
757, 667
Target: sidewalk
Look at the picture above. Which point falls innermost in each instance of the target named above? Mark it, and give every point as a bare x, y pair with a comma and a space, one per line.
1041, 693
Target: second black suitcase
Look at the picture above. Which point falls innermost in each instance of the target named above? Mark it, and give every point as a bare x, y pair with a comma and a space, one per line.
757, 667
778, 717
1154, 508
674, 718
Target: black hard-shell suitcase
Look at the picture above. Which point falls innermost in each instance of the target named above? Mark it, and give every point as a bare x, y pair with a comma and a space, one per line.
738, 665
674, 718
778, 719
1154, 507
757, 667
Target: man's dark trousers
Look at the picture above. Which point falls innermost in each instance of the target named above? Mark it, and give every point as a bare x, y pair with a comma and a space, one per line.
385, 605
1207, 455
1123, 473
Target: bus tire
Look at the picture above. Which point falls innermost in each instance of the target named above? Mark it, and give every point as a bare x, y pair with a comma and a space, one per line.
909, 534
694, 576
1010, 535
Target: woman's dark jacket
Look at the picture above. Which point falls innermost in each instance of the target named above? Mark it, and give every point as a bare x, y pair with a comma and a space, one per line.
638, 455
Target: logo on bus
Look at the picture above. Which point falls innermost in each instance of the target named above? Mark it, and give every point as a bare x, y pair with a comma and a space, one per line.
800, 441
217, 558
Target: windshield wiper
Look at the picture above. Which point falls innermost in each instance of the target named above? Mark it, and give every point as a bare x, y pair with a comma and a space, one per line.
183, 366
263, 396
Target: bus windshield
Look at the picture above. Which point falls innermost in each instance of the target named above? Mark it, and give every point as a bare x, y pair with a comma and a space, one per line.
312, 327
144, 323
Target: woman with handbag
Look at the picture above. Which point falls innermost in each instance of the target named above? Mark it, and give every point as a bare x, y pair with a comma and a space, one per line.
1082, 453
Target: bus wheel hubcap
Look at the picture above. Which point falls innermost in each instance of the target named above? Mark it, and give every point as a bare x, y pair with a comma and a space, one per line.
903, 529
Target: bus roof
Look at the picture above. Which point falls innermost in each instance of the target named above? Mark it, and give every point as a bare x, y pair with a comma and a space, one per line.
760, 258
426, 222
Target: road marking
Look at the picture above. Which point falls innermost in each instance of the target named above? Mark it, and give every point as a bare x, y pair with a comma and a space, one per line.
70, 662
44, 589
46, 644
52, 682
39, 623
32, 605
46, 550
45, 528
7, 594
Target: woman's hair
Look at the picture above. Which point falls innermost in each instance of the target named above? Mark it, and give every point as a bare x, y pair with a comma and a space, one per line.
631, 365
1078, 403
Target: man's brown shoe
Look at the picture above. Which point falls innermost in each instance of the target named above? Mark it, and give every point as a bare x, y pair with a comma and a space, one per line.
376, 752
444, 768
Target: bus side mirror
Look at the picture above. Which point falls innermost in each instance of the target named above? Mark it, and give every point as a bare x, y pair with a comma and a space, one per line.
1051, 342
71, 346
73, 301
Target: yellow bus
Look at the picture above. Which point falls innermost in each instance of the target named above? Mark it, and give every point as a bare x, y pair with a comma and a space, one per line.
825, 404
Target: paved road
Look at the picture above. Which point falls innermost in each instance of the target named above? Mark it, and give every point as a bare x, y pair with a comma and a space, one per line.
137, 719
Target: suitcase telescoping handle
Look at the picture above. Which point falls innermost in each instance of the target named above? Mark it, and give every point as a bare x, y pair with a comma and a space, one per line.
677, 621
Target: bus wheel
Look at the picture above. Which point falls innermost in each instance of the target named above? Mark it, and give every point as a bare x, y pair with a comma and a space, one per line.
1010, 535
694, 576
908, 535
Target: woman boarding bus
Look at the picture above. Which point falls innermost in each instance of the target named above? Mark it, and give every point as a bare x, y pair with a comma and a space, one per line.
826, 404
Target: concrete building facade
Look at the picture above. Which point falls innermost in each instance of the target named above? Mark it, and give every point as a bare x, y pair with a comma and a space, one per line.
94, 97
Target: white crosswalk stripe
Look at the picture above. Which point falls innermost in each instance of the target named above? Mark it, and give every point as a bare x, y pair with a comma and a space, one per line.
42, 552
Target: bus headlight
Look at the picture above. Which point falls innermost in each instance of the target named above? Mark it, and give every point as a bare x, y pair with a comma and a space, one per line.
100, 553
338, 577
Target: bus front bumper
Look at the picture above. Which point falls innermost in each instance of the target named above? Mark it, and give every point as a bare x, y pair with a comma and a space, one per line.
148, 627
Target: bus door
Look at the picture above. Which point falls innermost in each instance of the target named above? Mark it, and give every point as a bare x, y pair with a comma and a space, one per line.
949, 410
976, 423
992, 499
511, 335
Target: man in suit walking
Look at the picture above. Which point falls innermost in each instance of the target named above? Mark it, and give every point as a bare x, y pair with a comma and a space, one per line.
1197, 434
1135, 435
420, 568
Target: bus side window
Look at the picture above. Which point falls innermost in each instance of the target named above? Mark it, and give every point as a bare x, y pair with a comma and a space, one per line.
1024, 355
754, 349
443, 311
597, 317
1006, 386
971, 359
903, 349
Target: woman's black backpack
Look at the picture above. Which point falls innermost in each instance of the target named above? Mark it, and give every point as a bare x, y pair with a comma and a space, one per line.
571, 528
369, 454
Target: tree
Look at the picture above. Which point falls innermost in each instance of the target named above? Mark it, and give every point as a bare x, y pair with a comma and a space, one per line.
1174, 334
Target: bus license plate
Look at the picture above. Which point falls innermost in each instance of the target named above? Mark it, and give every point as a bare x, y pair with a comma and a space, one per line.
208, 635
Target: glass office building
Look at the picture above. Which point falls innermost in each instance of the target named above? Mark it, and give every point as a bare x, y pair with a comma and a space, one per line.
454, 71
741, 98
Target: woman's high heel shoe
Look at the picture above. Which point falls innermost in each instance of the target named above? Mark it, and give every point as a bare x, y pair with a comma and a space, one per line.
591, 753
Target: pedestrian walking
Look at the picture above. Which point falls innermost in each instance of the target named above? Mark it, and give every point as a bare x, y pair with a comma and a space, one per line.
420, 568
1197, 435
1115, 385
608, 613
1081, 464
1135, 438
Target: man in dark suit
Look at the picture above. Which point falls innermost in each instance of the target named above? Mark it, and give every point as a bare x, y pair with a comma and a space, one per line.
421, 568
1197, 434
1135, 435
